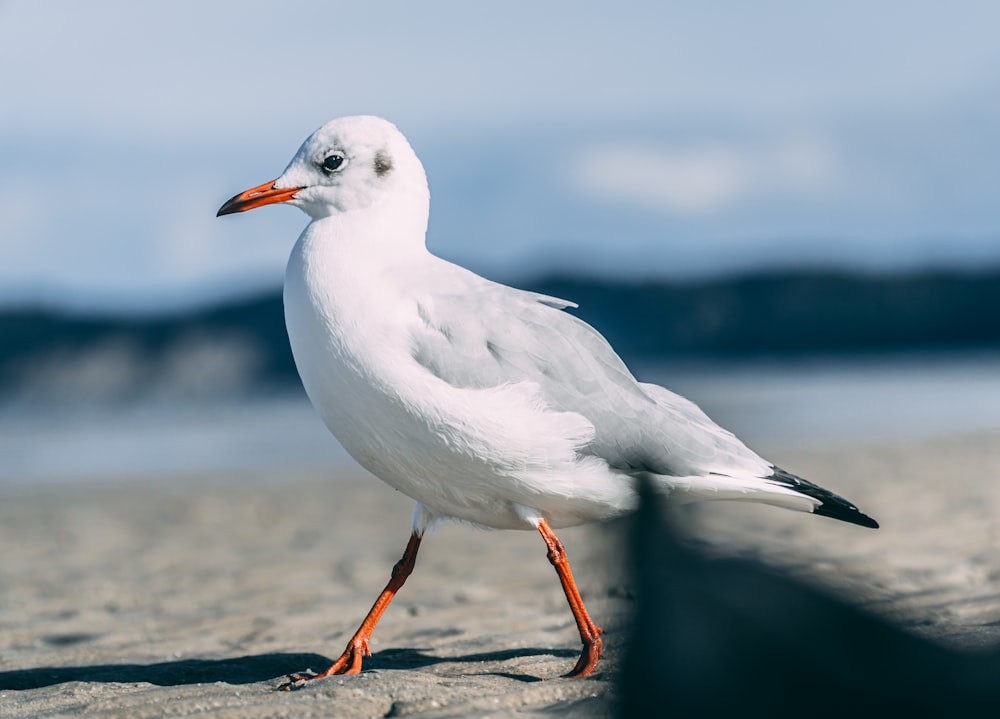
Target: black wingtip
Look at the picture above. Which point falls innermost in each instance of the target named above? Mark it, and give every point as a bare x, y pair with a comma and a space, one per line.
846, 514
832, 505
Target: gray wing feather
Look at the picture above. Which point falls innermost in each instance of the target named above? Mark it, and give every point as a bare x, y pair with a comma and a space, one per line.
492, 334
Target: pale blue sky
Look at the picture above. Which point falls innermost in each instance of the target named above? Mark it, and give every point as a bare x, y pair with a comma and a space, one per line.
676, 139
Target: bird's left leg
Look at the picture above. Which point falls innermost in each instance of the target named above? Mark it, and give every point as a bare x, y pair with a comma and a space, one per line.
350, 661
590, 633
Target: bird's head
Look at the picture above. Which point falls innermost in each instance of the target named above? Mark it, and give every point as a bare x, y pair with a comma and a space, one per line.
350, 163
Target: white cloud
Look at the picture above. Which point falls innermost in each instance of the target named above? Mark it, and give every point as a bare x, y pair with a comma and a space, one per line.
704, 179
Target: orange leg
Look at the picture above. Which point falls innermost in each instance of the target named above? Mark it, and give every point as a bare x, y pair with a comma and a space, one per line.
350, 661
590, 633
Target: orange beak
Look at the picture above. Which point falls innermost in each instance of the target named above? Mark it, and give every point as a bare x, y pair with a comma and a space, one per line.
266, 194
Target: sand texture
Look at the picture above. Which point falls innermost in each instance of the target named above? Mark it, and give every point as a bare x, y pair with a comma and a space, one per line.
196, 596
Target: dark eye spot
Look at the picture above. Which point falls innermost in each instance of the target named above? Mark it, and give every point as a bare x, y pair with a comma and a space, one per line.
332, 162
383, 163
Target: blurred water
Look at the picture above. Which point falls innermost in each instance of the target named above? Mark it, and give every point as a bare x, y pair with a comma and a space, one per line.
166, 439
773, 406
812, 403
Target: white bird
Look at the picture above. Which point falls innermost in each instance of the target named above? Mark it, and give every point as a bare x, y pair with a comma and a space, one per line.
481, 402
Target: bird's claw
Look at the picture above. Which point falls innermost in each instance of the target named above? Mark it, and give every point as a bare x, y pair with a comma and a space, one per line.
348, 663
295, 681
593, 648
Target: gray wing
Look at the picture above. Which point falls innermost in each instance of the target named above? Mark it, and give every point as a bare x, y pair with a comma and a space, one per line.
491, 334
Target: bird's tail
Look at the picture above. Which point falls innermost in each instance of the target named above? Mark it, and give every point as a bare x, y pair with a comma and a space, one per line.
830, 504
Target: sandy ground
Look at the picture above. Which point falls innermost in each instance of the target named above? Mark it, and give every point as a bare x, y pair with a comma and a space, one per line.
196, 596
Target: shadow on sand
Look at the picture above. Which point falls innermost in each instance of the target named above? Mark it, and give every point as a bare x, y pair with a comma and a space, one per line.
247, 669
237, 670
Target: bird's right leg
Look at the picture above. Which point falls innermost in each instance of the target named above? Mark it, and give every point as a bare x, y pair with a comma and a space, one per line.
358, 648
590, 633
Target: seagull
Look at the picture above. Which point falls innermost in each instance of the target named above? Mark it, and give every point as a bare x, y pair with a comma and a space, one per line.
483, 403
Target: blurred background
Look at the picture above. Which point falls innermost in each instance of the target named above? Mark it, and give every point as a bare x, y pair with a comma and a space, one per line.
788, 212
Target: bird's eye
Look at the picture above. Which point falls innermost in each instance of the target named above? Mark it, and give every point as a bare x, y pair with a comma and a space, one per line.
333, 162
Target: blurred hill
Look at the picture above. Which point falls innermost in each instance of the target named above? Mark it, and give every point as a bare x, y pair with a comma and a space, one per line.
240, 347
782, 314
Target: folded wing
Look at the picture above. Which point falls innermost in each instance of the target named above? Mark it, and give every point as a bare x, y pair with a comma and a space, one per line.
490, 335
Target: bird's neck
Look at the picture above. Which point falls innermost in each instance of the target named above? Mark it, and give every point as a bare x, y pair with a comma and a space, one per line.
353, 258
389, 231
